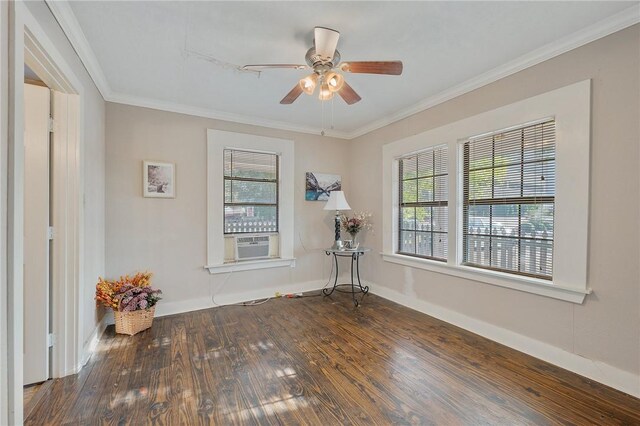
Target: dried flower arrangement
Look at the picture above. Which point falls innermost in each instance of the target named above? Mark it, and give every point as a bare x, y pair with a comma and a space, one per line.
132, 299
353, 225
128, 293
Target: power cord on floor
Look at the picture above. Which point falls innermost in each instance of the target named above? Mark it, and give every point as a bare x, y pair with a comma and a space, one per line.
262, 301
213, 295
252, 303
224, 283
325, 286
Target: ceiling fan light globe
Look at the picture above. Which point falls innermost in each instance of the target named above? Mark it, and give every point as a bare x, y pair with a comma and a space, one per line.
335, 81
325, 93
308, 84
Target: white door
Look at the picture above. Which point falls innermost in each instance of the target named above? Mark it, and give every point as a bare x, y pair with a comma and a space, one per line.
36, 233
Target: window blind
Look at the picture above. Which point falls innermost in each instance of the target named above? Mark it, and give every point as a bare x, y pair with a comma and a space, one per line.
250, 192
423, 204
508, 200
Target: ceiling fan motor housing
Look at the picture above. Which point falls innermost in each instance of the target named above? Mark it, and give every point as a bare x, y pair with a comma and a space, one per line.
320, 63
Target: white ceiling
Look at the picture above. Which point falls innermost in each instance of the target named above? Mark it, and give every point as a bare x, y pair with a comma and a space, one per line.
183, 56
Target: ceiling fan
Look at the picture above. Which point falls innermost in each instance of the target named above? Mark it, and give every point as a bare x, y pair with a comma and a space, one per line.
324, 60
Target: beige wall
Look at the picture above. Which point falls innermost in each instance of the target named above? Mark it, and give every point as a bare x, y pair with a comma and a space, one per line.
168, 236
605, 327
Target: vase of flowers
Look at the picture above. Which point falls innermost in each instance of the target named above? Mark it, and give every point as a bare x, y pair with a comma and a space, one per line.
132, 299
353, 225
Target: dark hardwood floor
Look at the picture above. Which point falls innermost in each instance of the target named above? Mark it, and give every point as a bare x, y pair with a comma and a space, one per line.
318, 361
31, 395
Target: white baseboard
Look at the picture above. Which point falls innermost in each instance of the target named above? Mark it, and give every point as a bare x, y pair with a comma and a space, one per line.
600, 372
92, 343
164, 308
170, 308
182, 306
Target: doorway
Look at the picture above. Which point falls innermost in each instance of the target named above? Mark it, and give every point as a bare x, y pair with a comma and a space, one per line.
31, 44
64, 209
38, 230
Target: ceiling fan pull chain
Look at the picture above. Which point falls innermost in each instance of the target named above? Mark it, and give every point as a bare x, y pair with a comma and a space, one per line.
332, 113
322, 130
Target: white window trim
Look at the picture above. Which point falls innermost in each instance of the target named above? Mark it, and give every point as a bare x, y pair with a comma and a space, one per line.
217, 142
571, 108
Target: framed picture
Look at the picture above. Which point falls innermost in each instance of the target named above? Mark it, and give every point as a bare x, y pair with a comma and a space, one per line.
158, 180
319, 185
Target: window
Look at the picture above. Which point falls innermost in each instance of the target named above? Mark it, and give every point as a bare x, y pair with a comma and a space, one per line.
508, 200
250, 192
423, 212
518, 196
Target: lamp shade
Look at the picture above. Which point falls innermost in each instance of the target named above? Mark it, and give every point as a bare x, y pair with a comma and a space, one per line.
337, 201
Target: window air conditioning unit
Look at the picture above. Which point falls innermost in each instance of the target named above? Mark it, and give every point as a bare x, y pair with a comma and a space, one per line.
256, 247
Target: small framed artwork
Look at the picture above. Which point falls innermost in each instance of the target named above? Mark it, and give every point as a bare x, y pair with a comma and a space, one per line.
319, 185
158, 180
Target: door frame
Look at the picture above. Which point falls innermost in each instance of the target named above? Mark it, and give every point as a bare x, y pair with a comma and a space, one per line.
30, 44
4, 125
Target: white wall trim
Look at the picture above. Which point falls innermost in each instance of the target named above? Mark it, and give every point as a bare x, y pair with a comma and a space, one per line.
233, 298
217, 142
4, 175
251, 265
67, 168
610, 25
139, 101
15, 222
182, 306
601, 372
28, 34
91, 344
596, 370
64, 14
526, 284
571, 108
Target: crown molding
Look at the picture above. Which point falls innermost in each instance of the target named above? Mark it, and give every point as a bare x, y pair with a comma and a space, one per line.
603, 28
71, 27
121, 98
67, 20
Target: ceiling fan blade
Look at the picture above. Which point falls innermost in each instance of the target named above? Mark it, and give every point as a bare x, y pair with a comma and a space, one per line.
267, 66
348, 94
373, 67
292, 95
326, 41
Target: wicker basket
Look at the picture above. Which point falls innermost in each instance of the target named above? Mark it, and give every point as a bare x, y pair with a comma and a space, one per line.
135, 321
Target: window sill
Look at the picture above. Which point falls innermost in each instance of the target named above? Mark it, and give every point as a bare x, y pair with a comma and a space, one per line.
249, 265
526, 284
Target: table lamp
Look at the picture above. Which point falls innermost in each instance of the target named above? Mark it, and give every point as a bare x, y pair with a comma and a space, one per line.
337, 202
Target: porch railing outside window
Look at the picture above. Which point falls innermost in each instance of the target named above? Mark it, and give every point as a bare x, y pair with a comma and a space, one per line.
251, 182
508, 200
423, 204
